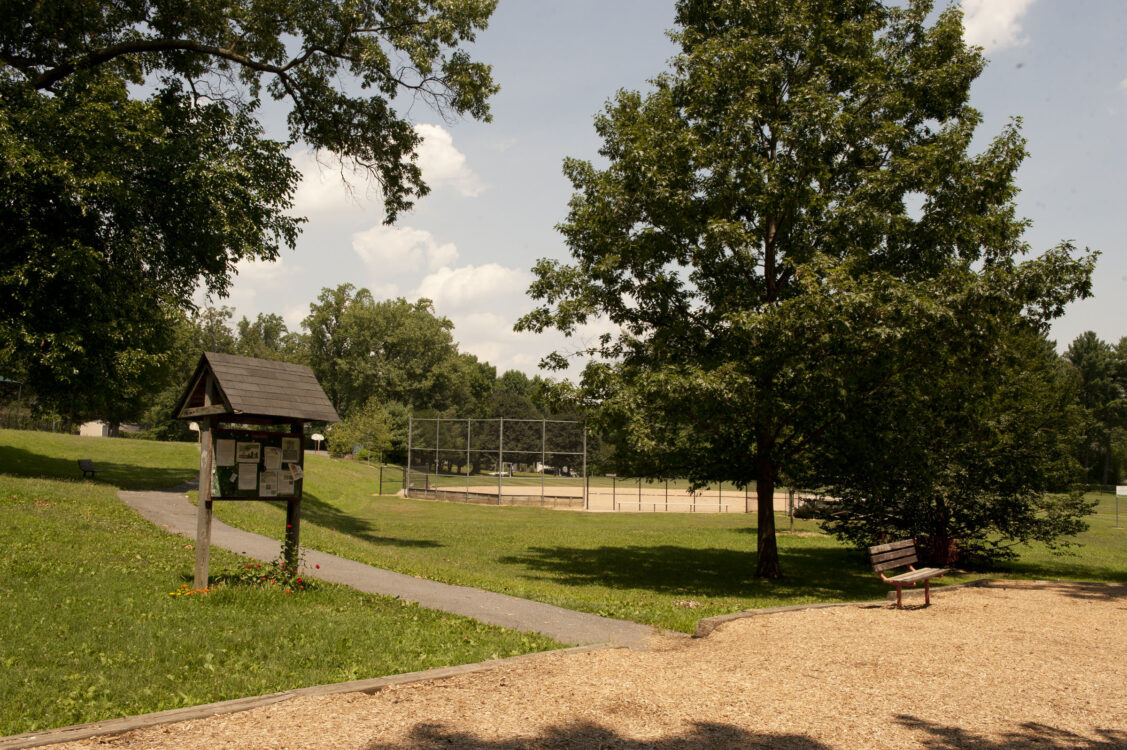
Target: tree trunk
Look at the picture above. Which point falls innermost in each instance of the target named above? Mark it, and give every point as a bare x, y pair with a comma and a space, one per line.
1107, 460
767, 550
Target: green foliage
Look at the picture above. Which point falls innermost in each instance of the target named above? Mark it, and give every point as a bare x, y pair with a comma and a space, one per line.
95, 269
1102, 369
274, 574
369, 427
783, 221
134, 168
970, 446
391, 350
266, 337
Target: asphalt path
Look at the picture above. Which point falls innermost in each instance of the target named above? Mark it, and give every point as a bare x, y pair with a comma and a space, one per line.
172, 511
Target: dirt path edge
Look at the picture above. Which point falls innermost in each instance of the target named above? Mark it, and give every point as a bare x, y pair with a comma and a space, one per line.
125, 724
708, 624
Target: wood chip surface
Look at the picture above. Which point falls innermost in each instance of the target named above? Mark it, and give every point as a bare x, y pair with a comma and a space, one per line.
1009, 665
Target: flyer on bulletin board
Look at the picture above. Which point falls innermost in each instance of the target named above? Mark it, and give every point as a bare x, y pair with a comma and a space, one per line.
291, 449
248, 452
224, 452
253, 464
248, 476
268, 486
272, 458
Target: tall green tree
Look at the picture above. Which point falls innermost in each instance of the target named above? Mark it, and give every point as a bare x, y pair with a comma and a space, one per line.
206, 329
267, 337
391, 350
134, 167
1103, 374
368, 426
785, 221
974, 445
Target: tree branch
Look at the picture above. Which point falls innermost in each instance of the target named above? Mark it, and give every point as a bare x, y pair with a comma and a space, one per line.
98, 57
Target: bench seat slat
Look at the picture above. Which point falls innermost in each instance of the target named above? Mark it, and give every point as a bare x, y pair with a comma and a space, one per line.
896, 554
904, 554
917, 575
891, 546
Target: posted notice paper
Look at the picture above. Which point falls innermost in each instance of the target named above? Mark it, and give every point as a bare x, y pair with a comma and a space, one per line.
269, 485
272, 458
224, 452
248, 476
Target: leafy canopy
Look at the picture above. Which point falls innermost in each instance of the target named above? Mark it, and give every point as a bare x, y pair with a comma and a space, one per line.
784, 221
134, 167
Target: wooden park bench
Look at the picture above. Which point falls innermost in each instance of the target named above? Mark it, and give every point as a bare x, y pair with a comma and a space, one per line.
902, 554
87, 466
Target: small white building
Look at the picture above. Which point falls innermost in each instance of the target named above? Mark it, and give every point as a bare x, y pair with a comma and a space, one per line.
102, 429
94, 429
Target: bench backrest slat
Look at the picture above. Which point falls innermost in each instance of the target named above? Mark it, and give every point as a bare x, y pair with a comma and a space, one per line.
893, 555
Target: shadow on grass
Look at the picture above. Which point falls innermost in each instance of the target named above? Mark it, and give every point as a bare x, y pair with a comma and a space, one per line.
23, 463
1065, 568
824, 573
324, 514
1030, 734
703, 736
1105, 592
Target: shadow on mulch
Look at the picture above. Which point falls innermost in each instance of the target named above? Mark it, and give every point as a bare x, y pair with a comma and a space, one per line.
1030, 734
711, 736
704, 736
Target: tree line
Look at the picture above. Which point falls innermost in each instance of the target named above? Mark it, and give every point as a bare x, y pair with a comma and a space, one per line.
379, 362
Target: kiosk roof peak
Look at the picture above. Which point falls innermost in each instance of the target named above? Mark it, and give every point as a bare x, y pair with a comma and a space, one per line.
251, 387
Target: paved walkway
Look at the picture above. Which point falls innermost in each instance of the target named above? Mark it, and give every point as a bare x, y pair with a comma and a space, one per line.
171, 510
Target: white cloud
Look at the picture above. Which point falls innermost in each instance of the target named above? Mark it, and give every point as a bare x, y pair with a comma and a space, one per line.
442, 164
294, 315
1123, 85
251, 277
389, 250
331, 187
462, 288
994, 24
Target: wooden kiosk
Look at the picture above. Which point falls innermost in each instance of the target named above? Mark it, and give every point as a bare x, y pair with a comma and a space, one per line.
251, 414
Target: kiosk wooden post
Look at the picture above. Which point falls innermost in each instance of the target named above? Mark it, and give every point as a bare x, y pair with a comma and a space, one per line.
203, 510
240, 402
293, 514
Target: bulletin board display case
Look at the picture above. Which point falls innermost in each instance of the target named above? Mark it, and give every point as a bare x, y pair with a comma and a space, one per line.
256, 465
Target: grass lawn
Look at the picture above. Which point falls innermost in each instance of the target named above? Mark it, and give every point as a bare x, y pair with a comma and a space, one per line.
665, 569
1101, 556
90, 631
128, 464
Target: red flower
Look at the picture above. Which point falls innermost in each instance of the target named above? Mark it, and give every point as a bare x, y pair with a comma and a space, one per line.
317, 566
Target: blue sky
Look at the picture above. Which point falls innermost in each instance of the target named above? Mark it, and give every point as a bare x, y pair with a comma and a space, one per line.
498, 190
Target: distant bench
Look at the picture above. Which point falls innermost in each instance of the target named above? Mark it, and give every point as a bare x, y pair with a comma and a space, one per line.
899, 555
87, 466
